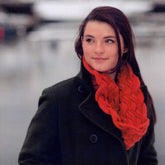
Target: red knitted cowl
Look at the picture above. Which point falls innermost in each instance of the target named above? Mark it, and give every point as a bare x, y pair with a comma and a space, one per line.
124, 101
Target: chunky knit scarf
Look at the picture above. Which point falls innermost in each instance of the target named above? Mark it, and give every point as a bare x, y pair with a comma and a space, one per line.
124, 101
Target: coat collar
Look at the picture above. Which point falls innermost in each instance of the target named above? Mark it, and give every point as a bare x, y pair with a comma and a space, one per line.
90, 109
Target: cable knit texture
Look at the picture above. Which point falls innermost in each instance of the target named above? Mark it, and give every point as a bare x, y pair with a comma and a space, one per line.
124, 101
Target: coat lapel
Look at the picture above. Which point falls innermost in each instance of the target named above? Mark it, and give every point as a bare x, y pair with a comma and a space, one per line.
90, 109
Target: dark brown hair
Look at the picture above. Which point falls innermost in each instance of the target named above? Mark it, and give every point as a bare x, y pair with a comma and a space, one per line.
120, 23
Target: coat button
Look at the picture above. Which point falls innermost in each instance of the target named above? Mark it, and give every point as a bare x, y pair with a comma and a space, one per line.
93, 138
80, 89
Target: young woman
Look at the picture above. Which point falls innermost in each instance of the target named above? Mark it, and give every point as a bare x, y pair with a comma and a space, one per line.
102, 116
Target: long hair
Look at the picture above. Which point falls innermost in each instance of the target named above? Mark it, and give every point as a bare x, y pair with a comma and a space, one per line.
120, 23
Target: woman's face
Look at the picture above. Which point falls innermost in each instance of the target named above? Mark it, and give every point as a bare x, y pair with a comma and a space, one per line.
100, 46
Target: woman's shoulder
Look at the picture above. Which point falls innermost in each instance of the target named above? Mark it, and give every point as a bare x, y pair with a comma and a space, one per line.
149, 103
64, 87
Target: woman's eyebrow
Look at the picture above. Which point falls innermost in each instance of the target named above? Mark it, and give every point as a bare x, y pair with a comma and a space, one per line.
110, 37
88, 35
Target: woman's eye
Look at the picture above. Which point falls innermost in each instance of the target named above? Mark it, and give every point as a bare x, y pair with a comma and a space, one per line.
89, 40
109, 41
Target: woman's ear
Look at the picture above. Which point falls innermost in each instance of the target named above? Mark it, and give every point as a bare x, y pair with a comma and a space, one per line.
125, 50
81, 38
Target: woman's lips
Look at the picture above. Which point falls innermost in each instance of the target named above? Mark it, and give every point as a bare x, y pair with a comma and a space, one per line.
99, 59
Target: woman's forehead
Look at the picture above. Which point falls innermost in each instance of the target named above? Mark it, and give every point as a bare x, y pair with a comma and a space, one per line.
96, 27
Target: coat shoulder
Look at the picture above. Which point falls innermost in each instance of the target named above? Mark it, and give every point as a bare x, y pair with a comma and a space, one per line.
149, 103
63, 88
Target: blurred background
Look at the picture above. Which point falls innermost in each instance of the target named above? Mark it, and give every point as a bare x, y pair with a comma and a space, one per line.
37, 51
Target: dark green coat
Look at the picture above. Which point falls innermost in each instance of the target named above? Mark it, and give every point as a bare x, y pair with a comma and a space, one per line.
69, 128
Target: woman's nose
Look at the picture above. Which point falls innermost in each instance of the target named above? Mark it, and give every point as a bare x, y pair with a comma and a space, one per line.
99, 49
